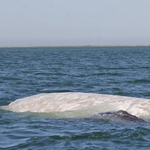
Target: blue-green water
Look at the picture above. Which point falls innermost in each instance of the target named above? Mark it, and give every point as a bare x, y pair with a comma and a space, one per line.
110, 70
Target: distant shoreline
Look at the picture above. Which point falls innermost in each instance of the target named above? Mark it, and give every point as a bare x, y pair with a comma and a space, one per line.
74, 46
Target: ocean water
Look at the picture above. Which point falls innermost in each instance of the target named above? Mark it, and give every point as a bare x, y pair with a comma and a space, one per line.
24, 72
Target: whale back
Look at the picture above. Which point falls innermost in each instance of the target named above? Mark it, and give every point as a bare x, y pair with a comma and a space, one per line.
119, 116
74, 104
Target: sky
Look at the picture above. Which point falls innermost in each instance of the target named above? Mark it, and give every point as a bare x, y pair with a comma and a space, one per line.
74, 22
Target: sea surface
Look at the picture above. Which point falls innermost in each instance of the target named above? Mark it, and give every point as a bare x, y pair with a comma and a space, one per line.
25, 72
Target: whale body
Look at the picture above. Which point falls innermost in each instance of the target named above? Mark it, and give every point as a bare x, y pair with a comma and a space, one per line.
74, 104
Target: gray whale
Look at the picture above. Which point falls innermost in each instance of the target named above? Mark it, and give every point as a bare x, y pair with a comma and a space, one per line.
77, 104
118, 116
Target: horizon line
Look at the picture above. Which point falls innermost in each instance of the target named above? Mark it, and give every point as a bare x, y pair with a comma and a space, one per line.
53, 46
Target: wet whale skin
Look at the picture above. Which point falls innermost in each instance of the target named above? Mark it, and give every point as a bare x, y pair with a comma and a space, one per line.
118, 116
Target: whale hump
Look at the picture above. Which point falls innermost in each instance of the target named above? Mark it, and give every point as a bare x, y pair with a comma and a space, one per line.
118, 116
77, 104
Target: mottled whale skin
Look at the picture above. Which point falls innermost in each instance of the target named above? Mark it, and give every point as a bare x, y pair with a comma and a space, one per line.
118, 116
77, 104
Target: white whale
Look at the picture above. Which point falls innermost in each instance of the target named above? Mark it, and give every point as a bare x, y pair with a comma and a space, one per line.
74, 104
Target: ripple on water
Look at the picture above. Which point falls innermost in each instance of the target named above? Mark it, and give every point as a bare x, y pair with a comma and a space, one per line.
106, 70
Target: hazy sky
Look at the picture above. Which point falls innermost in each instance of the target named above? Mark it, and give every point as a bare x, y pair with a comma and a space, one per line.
74, 22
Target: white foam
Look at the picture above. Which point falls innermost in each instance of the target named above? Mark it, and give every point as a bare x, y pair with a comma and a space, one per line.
80, 104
